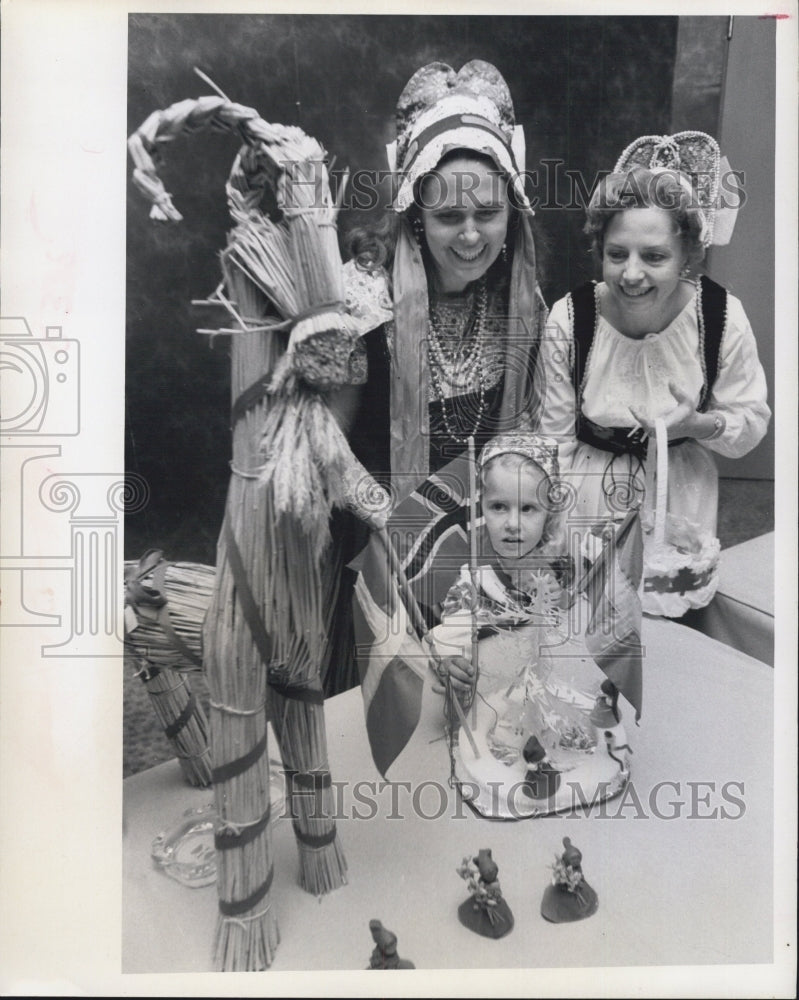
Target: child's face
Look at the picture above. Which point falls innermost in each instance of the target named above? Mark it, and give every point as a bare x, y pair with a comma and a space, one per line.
642, 258
514, 515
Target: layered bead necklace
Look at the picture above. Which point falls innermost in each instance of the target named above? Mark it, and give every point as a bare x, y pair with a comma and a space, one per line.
460, 363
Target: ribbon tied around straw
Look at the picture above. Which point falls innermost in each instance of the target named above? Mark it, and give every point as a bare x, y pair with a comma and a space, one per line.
137, 594
151, 599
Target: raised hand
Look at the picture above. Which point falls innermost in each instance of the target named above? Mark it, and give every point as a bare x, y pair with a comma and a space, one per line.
684, 420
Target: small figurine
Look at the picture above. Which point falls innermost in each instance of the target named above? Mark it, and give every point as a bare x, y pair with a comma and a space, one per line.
569, 897
384, 955
605, 713
541, 780
486, 911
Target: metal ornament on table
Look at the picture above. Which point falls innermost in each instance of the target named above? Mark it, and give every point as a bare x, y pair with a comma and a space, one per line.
384, 955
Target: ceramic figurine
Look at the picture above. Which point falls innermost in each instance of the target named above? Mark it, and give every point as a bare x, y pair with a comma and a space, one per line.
569, 897
485, 912
384, 955
541, 780
605, 713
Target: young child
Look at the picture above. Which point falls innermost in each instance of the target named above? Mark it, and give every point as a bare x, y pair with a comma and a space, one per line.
650, 341
520, 699
522, 576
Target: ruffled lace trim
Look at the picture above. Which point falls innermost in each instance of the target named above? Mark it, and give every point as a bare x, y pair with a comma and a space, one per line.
367, 297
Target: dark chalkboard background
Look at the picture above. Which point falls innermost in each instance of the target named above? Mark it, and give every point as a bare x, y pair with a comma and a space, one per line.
583, 87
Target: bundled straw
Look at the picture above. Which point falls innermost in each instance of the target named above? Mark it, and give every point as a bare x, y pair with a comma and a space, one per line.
278, 564
165, 607
168, 601
277, 577
237, 653
182, 718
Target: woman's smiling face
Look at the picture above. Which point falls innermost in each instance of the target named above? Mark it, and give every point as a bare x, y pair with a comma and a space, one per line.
642, 258
464, 211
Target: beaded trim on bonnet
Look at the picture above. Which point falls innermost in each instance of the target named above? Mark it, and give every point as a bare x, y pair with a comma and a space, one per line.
440, 109
696, 157
539, 449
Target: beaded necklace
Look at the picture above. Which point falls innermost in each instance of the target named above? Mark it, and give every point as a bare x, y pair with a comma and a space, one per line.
463, 362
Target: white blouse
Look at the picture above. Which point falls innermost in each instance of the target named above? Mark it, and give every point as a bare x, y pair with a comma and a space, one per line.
624, 372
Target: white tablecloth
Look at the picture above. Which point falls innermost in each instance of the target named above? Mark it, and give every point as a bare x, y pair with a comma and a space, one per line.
695, 889
742, 612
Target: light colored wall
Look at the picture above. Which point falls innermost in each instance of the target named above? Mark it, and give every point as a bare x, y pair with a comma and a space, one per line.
746, 266
698, 73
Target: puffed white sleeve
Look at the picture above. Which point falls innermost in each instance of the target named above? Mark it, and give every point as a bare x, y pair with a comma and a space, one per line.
556, 413
739, 393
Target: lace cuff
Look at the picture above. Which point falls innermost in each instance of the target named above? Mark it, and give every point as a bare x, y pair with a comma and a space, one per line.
367, 297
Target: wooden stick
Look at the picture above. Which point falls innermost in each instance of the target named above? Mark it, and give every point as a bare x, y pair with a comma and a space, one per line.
417, 618
473, 572
211, 84
462, 718
409, 599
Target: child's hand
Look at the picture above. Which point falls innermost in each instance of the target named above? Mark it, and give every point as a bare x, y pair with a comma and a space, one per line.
461, 673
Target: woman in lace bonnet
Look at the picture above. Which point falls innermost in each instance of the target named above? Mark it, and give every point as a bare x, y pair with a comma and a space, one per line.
440, 359
654, 342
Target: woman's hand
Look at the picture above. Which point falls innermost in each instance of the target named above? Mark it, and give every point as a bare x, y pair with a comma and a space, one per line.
684, 420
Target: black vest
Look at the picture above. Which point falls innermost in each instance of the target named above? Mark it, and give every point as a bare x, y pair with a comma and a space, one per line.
712, 323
